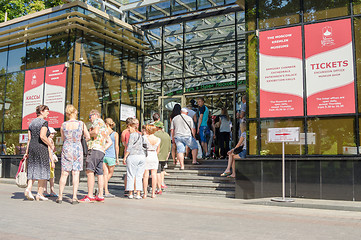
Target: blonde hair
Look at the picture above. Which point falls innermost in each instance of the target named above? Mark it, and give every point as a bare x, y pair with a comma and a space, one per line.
71, 111
110, 122
94, 112
150, 129
133, 122
243, 127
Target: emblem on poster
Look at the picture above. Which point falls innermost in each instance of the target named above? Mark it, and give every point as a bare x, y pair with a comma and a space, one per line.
33, 79
327, 39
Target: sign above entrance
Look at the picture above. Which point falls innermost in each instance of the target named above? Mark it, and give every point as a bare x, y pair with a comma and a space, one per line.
291, 134
329, 68
281, 74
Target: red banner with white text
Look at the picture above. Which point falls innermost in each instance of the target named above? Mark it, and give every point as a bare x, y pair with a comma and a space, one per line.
329, 68
281, 74
54, 98
33, 95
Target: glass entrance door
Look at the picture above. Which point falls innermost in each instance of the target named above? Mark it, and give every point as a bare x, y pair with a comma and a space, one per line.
166, 105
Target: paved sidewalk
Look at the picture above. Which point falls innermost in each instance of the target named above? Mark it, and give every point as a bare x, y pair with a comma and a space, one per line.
170, 216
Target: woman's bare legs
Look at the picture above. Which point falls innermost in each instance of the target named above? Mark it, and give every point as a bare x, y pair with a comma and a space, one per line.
62, 182
105, 175
233, 157
230, 161
108, 173
154, 181
75, 184
27, 192
41, 185
145, 183
174, 154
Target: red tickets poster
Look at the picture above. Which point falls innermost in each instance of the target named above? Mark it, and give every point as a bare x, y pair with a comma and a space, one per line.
33, 95
281, 73
329, 68
54, 98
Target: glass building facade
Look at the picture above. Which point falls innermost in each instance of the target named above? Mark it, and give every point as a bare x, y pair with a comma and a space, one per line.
102, 56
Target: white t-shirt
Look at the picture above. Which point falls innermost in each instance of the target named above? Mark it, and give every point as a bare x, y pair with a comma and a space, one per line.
180, 126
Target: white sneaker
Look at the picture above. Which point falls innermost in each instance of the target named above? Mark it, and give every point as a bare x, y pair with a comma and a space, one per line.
130, 196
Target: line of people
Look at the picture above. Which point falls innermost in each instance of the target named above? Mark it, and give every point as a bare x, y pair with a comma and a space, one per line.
143, 153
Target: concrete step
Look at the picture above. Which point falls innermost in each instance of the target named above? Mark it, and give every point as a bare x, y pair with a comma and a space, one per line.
196, 191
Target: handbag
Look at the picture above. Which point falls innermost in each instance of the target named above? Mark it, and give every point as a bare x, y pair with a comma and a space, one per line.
237, 150
21, 177
84, 143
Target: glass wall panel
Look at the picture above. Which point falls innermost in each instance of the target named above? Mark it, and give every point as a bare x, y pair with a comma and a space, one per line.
174, 87
173, 64
210, 30
276, 148
318, 10
13, 147
210, 60
93, 51
209, 83
4, 59
35, 53
275, 13
14, 101
252, 75
173, 36
113, 58
183, 6
130, 92
130, 66
2, 98
241, 23
332, 135
137, 15
242, 64
152, 68
252, 138
91, 92
357, 29
154, 37
159, 10
203, 4
16, 58
152, 92
57, 49
111, 98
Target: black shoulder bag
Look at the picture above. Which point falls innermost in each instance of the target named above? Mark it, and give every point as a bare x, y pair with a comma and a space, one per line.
84, 143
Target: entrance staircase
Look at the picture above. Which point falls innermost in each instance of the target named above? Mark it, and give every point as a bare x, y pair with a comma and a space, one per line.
201, 179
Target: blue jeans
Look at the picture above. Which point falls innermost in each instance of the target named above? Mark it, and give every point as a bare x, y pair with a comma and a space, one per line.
182, 142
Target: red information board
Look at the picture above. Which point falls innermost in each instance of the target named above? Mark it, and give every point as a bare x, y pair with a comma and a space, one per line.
33, 95
281, 74
329, 68
54, 98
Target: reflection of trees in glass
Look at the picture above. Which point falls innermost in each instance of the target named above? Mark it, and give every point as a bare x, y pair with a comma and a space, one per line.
18, 8
278, 12
14, 93
315, 10
57, 49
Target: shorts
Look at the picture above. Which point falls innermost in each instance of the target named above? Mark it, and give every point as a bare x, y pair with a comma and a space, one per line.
109, 161
243, 153
52, 171
94, 161
182, 142
203, 131
161, 167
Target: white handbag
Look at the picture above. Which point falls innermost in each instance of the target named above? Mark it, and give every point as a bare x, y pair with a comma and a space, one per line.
21, 178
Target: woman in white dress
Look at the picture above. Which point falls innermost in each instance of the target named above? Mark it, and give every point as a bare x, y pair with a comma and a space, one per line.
151, 160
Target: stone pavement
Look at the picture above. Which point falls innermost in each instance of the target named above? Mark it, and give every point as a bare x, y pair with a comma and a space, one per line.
173, 216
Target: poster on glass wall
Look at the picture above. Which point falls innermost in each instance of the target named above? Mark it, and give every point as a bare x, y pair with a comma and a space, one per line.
281, 74
54, 98
33, 94
329, 68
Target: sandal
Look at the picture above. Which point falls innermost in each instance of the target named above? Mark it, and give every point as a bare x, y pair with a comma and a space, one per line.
230, 176
196, 163
226, 174
53, 195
